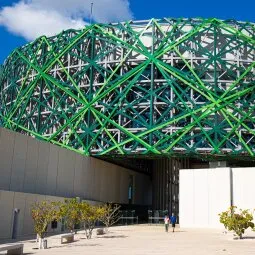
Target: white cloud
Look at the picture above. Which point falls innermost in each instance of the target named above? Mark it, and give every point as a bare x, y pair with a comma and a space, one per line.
33, 18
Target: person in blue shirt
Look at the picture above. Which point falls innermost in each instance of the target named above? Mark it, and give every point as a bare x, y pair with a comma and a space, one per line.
173, 221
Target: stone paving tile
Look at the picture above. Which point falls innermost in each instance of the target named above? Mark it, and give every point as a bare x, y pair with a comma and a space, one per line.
148, 240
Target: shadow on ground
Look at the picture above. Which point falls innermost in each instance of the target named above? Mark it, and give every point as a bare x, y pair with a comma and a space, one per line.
245, 237
117, 236
76, 245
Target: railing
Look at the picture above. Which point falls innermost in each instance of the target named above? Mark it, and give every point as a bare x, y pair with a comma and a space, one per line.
128, 218
156, 216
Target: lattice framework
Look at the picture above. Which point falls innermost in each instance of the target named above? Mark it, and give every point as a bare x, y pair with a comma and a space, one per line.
158, 87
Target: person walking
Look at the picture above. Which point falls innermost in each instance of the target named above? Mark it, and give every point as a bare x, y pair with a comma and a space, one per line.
166, 220
173, 221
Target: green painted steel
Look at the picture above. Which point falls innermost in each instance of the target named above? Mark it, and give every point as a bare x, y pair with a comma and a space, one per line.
144, 88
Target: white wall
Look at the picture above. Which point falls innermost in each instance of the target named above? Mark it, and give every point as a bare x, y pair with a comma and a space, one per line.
204, 193
244, 187
219, 192
186, 198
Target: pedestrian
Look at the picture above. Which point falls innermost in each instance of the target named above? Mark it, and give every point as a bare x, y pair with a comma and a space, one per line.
173, 221
166, 220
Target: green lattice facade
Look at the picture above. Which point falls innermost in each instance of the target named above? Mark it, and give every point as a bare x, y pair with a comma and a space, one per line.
157, 87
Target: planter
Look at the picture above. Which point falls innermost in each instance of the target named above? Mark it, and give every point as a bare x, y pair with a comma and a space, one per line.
43, 243
100, 231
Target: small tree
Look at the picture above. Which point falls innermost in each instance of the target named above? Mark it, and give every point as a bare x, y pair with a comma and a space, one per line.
237, 221
43, 213
90, 215
71, 211
111, 215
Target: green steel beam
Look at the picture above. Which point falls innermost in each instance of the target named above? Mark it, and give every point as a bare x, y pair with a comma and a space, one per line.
163, 87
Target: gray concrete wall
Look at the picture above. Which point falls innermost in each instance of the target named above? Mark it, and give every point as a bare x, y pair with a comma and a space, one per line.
22, 201
32, 166
11, 201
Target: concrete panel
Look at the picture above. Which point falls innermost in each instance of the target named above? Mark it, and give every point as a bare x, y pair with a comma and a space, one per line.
19, 163
46, 169
124, 183
86, 176
43, 161
79, 176
19, 203
31, 165
219, 194
55, 199
24, 202
89, 171
186, 202
52, 174
107, 183
6, 214
100, 190
204, 193
40, 198
28, 224
99, 174
117, 185
201, 197
7, 139
65, 179
244, 189
114, 179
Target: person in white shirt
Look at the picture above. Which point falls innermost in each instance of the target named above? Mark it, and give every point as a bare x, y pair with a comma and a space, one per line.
166, 220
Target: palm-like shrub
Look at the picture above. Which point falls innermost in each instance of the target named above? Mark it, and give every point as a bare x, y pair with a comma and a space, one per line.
237, 220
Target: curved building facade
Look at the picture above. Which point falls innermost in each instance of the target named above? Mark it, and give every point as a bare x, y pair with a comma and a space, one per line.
157, 87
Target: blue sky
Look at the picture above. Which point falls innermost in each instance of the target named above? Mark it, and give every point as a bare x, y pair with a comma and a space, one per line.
20, 19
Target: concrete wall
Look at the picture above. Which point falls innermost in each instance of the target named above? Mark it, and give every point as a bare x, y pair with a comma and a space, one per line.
23, 201
33, 166
204, 193
244, 188
9, 201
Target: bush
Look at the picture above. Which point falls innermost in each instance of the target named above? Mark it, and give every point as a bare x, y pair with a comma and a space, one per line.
90, 215
73, 212
70, 210
43, 213
111, 215
237, 221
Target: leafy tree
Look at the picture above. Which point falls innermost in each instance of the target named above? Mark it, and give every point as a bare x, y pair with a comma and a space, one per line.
43, 213
90, 215
71, 211
237, 221
111, 215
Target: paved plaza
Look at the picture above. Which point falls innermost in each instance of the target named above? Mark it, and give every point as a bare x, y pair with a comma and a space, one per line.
148, 239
